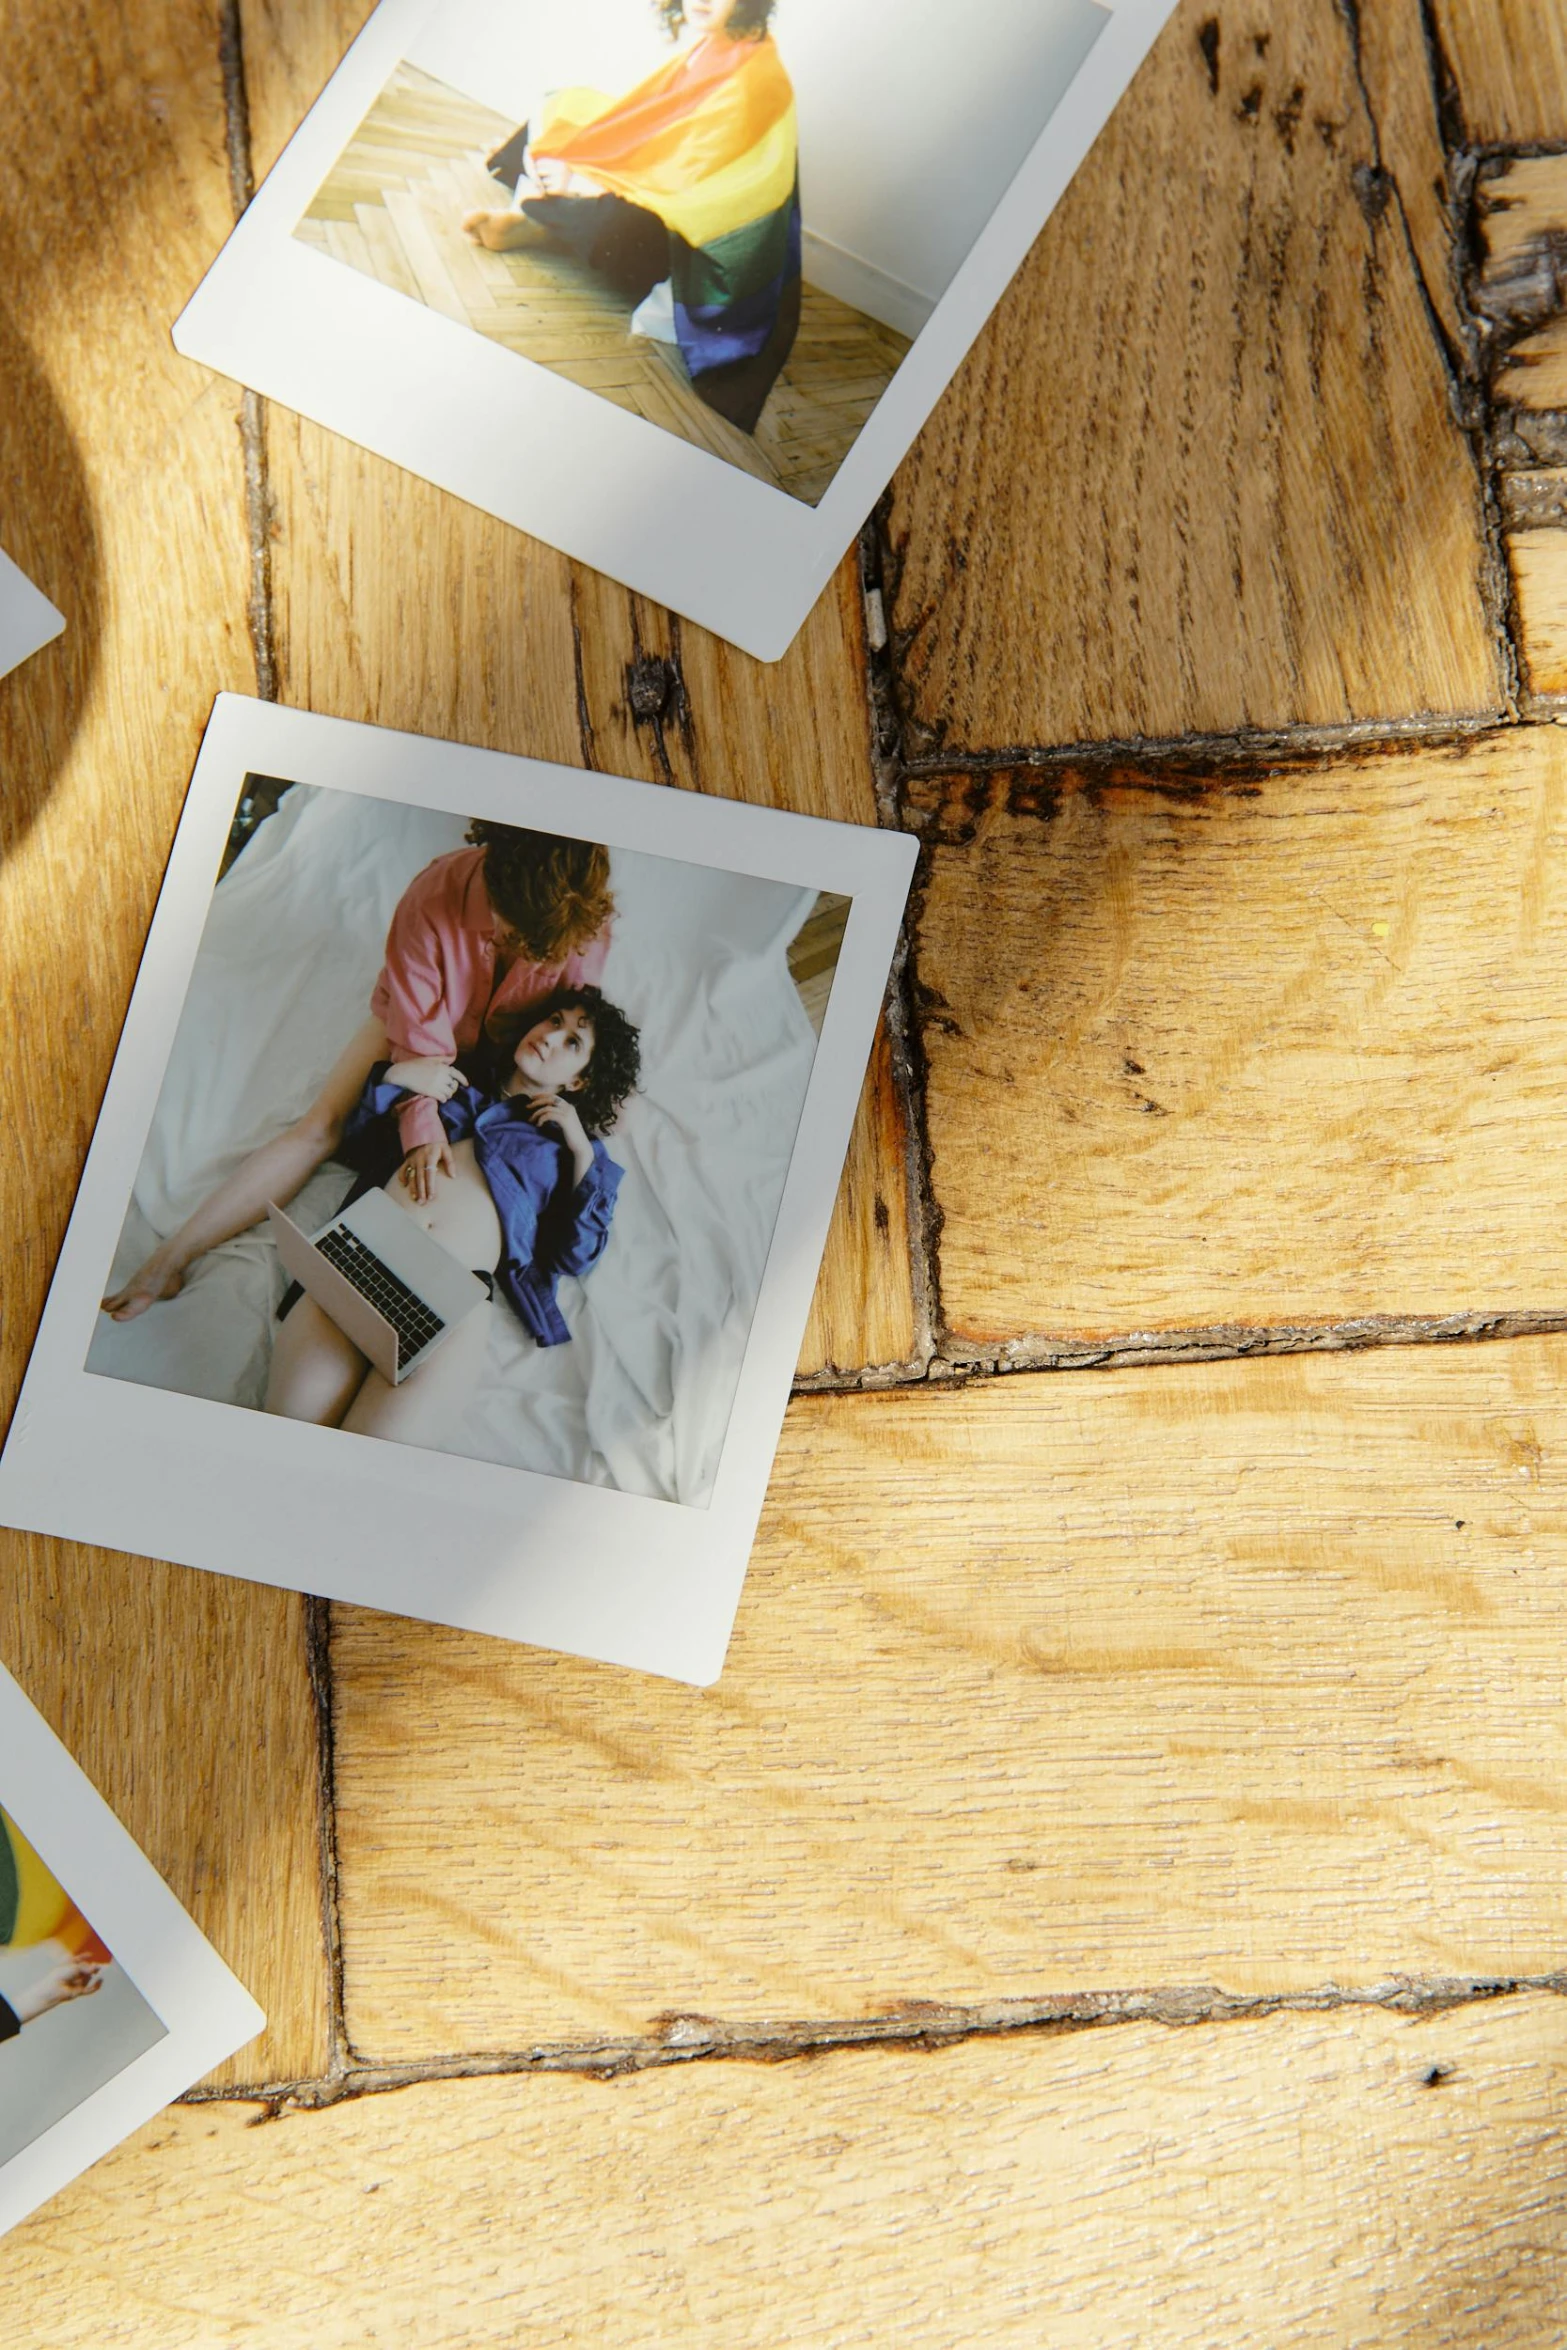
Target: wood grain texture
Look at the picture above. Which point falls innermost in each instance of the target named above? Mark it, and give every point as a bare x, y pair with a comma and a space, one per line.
1398, 74
1519, 201
186, 1698
1297, 2183
1509, 62
1258, 1048
1520, 224
1533, 373
396, 603
291, 50
1246, 1674
1539, 570
1218, 482
123, 495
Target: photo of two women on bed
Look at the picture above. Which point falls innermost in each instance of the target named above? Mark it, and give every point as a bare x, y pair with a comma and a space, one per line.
573, 1072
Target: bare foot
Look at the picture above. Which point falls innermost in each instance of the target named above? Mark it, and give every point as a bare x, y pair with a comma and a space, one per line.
500, 231
68, 1979
147, 1286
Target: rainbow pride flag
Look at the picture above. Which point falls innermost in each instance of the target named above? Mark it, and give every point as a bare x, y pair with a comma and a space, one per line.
710, 145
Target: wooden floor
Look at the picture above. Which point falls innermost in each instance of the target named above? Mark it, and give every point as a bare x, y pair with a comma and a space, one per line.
393, 208
813, 955
1114, 1897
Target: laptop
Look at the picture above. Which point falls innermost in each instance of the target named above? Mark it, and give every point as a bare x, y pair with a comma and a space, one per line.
385, 1283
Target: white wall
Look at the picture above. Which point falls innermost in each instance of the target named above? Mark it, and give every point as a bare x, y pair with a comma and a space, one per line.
914, 114
53, 2065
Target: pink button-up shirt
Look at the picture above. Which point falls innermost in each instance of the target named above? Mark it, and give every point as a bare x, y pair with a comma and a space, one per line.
437, 994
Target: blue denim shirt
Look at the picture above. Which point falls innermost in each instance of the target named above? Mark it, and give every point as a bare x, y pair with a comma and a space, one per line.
548, 1225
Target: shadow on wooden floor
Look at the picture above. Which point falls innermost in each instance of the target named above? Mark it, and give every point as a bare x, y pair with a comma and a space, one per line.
47, 526
392, 208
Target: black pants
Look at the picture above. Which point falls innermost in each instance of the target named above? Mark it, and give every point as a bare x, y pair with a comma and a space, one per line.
632, 251
620, 242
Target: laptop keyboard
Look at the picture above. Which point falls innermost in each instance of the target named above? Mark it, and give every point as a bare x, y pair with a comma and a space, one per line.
403, 1307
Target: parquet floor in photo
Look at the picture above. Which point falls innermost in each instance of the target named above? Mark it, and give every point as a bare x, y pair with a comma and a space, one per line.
393, 208
1114, 1897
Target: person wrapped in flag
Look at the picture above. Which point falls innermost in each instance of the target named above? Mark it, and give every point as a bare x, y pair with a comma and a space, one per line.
58, 1955
683, 195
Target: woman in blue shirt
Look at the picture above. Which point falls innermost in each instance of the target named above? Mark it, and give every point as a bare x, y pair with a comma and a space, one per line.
529, 1197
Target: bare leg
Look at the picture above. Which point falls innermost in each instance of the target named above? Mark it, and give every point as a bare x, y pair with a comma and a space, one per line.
316, 1372
502, 232
426, 1408
274, 1172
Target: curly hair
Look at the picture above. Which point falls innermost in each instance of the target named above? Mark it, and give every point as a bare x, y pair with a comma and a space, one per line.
614, 1065
749, 22
555, 893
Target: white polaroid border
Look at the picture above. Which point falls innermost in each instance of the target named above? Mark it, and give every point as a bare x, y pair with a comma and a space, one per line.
28, 621
205, 2013
668, 519
652, 1584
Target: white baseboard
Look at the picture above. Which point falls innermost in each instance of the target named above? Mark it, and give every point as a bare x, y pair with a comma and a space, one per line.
864, 286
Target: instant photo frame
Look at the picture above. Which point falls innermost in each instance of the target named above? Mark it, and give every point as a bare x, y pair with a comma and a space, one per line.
581, 1567
665, 517
28, 621
205, 2013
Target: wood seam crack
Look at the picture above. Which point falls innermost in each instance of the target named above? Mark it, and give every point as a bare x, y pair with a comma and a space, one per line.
914, 2026
901, 1010
253, 409
318, 1660
1434, 730
957, 1360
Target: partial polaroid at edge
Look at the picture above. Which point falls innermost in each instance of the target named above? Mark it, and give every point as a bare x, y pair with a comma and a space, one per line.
112, 2003
28, 621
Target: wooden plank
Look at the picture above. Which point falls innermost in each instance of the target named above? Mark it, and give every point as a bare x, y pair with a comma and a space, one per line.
290, 55
345, 242
189, 1703
1249, 1048
1520, 201
1539, 569
1534, 373
1509, 60
1520, 216
1293, 2183
386, 254
425, 257
1201, 471
1245, 1674
814, 953
1398, 70
596, 357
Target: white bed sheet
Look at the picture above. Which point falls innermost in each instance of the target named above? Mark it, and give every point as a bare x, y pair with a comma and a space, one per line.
641, 1398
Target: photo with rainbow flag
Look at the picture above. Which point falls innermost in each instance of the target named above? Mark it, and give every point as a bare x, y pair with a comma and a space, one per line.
70, 2018
729, 217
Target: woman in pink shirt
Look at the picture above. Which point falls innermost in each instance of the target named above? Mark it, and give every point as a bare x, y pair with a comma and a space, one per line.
478, 937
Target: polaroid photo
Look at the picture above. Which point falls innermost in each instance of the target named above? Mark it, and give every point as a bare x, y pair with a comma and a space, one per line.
111, 2002
460, 1188
28, 621
671, 284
